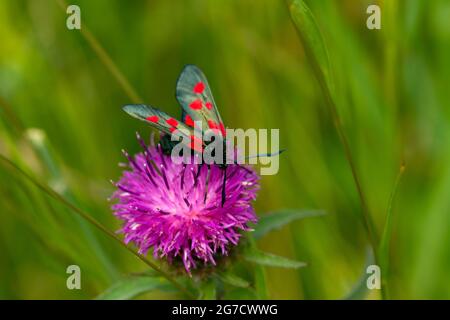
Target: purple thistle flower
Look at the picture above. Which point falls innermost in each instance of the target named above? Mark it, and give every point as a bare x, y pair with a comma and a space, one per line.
163, 206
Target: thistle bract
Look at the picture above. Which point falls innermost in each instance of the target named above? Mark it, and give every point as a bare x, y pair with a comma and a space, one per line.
176, 209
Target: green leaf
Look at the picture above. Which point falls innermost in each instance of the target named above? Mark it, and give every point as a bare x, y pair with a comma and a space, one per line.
360, 290
276, 220
208, 290
131, 287
272, 260
312, 40
241, 294
234, 280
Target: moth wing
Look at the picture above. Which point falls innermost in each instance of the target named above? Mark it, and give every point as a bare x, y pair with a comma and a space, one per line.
195, 97
161, 121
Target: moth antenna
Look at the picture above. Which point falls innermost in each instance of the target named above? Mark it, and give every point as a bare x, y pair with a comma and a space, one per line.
258, 156
270, 154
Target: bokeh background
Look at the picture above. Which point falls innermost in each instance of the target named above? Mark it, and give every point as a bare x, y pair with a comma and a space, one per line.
392, 95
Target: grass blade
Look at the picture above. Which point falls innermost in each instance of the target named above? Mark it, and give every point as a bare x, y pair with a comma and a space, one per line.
106, 60
312, 40
316, 52
40, 143
383, 250
360, 290
94, 222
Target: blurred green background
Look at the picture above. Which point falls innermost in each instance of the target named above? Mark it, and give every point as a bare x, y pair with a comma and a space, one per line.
392, 94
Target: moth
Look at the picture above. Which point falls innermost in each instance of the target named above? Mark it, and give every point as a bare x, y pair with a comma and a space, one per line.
198, 106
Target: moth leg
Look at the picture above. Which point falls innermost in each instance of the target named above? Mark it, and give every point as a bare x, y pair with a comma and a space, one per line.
207, 182
182, 176
223, 185
198, 174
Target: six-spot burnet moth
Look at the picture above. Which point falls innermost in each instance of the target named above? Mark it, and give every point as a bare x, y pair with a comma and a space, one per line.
198, 107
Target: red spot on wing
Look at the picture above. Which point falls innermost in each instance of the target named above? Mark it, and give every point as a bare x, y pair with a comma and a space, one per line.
172, 122
208, 105
212, 124
196, 104
199, 87
172, 129
196, 143
153, 119
215, 127
222, 129
188, 120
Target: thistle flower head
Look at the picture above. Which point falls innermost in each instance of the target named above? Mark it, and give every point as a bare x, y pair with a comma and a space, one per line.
176, 209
